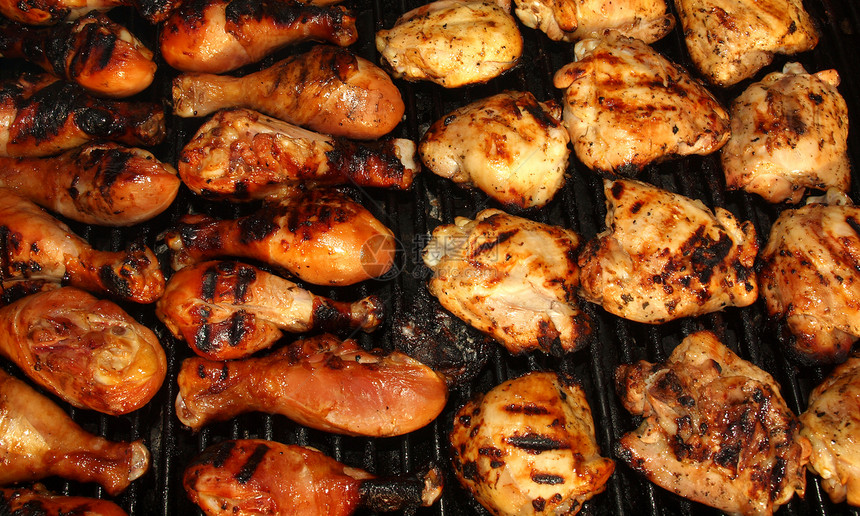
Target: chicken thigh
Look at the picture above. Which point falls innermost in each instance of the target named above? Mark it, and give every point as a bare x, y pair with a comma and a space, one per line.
789, 134
664, 256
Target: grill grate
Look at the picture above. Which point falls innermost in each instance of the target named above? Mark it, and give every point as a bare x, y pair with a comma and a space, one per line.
435, 201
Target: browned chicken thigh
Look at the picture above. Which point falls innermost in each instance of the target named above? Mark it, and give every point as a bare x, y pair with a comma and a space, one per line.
98, 183
243, 155
320, 382
810, 278
95, 52
319, 236
528, 447
664, 256
512, 278
217, 36
36, 246
716, 429
251, 476
789, 134
37, 500
50, 12
228, 309
326, 89
42, 116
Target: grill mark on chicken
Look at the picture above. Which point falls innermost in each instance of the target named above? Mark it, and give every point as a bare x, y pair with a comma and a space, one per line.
546, 478
247, 470
114, 283
536, 443
485, 247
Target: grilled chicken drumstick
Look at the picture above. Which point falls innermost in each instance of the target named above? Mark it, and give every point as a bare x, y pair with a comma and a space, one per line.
51, 12
528, 447
36, 246
326, 89
320, 382
87, 351
241, 155
217, 36
320, 236
228, 309
93, 51
39, 501
42, 116
98, 183
38, 440
251, 476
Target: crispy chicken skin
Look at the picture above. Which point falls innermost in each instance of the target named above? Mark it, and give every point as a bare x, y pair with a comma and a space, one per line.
217, 36
51, 12
528, 447
38, 501
831, 422
664, 256
626, 106
509, 145
789, 134
731, 40
452, 43
716, 429
319, 236
38, 440
810, 280
247, 477
100, 183
227, 309
243, 155
326, 89
320, 382
512, 278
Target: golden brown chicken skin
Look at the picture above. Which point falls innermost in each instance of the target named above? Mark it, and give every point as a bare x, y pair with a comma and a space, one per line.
23, 501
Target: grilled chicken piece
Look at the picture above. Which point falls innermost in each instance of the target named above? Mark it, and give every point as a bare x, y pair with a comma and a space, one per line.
810, 278
38, 440
730, 40
512, 278
572, 20
320, 382
87, 351
528, 447
51, 12
99, 183
789, 134
253, 476
39, 501
664, 256
452, 43
95, 52
217, 36
716, 429
511, 146
831, 422
42, 116
242, 155
36, 246
320, 236
626, 106
326, 89
227, 309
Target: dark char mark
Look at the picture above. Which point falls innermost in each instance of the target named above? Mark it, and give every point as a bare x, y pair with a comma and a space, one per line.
247, 471
536, 443
113, 283
489, 245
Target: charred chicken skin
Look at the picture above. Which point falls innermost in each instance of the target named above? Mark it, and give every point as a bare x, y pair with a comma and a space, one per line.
319, 236
326, 89
87, 351
98, 183
51, 12
512, 278
528, 447
38, 440
320, 382
39, 501
251, 476
242, 155
789, 134
227, 309
36, 246
217, 36
716, 429
95, 52
42, 116
664, 256
626, 106
810, 280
